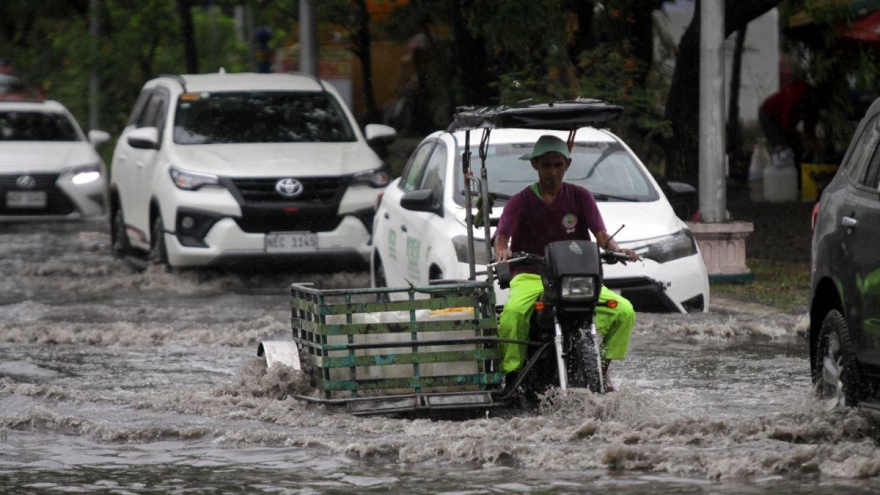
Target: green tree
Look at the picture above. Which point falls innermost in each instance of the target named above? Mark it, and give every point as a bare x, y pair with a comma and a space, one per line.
138, 41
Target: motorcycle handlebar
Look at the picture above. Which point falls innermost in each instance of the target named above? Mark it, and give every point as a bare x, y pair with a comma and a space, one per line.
609, 257
517, 257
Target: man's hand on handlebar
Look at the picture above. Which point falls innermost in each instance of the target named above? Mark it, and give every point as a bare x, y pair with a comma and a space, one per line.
630, 255
502, 249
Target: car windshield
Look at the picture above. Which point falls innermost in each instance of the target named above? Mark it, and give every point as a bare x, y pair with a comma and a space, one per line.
36, 126
260, 117
606, 169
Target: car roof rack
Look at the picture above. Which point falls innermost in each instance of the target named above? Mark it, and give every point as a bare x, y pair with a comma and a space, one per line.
562, 115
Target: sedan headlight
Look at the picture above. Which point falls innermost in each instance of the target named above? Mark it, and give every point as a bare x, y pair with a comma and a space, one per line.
460, 243
85, 174
672, 247
574, 289
190, 181
378, 177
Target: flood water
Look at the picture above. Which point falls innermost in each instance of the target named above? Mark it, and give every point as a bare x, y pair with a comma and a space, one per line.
123, 382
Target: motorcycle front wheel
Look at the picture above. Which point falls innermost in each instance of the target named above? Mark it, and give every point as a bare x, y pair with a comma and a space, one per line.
584, 362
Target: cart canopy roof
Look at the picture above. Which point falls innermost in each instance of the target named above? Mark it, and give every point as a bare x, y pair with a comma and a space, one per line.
562, 116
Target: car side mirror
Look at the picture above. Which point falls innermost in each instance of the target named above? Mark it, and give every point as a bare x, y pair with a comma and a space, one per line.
379, 134
682, 188
97, 138
682, 197
144, 138
419, 200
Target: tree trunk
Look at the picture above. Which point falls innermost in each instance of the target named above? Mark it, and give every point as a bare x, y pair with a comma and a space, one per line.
734, 126
643, 36
363, 51
583, 39
189, 37
471, 63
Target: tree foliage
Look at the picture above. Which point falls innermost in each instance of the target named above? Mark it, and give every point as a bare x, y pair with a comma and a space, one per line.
481, 52
51, 47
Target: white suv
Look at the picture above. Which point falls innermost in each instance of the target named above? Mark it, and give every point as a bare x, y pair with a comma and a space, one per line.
221, 169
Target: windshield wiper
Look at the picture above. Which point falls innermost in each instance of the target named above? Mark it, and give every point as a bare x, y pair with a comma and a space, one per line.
612, 197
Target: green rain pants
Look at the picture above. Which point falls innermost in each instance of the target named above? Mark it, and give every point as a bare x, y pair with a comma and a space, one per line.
615, 325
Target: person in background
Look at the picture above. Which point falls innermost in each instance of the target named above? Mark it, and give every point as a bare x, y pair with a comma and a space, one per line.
796, 102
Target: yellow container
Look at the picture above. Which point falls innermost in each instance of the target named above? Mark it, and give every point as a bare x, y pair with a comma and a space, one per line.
814, 176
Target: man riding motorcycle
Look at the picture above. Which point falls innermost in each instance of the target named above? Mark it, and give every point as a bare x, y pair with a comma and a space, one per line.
553, 210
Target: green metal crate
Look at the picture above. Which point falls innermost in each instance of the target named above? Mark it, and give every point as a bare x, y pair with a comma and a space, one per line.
439, 346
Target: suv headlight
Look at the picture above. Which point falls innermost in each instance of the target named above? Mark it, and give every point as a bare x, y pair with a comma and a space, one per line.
85, 174
377, 177
460, 243
574, 289
671, 247
190, 181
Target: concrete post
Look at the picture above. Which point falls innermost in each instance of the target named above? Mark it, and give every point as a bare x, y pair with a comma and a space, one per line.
308, 38
721, 241
713, 193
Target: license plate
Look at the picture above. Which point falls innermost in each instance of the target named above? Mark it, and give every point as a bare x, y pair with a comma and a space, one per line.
291, 242
26, 199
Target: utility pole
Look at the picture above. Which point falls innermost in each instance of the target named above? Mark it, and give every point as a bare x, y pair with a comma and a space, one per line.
308, 38
722, 241
94, 104
713, 190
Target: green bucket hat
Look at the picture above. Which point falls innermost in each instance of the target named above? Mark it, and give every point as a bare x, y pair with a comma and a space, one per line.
546, 144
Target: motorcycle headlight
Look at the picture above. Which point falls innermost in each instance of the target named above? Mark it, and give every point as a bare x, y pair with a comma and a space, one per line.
460, 243
378, 177
578, 288
85, 174
671, 247
190, 181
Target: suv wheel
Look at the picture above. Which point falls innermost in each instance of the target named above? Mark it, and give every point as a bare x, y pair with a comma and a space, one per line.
158, 253
118, 237
838, 381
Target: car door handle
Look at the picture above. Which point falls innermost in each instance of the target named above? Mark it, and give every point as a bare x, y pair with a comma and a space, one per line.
849, 222
403, 228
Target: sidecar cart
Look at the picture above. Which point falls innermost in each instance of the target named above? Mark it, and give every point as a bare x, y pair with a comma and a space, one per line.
432, 353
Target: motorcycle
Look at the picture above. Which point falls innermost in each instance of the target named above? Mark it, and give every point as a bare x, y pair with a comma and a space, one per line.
564, 345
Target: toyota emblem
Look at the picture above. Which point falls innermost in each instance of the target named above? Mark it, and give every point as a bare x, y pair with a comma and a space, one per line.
25, 182
289, 188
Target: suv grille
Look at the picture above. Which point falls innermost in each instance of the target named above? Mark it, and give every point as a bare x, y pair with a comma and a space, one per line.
265, 210
57, 203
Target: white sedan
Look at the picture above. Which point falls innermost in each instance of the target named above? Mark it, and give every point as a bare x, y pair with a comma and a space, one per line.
420, 234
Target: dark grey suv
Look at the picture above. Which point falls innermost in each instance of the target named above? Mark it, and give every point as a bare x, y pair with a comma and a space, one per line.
845, 289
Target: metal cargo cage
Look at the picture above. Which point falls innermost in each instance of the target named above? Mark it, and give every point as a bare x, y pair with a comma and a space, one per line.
435, 348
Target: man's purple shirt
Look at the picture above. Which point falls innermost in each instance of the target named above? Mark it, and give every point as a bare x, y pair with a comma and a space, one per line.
531, 224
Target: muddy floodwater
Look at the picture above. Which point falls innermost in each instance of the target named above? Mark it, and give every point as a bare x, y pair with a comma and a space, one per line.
124, 382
